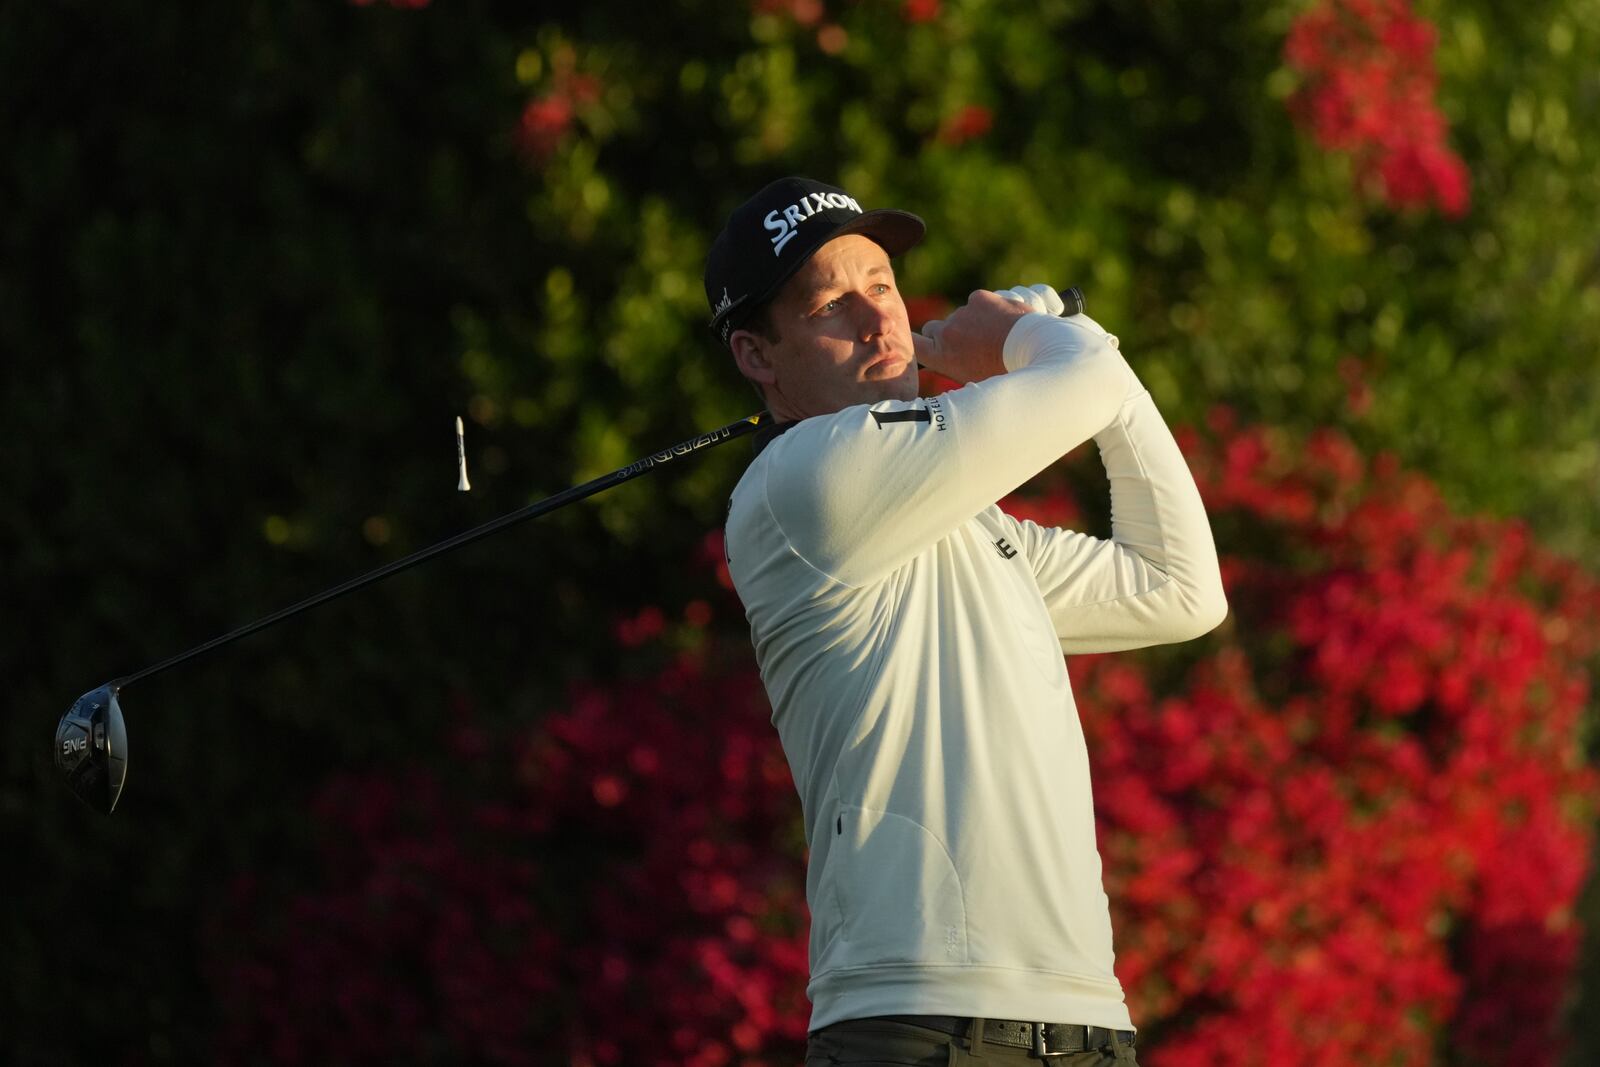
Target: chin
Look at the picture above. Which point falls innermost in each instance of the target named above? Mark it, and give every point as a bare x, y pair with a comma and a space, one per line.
888, 389
906, 386
903, 386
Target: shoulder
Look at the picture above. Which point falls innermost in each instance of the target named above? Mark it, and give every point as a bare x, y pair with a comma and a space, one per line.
858, 425
800, 467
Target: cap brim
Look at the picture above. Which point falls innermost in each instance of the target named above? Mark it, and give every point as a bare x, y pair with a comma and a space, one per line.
897, 231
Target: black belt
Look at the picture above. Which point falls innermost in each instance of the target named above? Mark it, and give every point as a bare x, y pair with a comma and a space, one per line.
1044, 1039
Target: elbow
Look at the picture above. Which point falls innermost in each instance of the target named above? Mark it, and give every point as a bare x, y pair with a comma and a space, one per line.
1208, 611
1216, 612
1203, 611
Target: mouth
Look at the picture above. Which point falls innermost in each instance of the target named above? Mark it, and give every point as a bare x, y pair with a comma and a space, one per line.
885, 366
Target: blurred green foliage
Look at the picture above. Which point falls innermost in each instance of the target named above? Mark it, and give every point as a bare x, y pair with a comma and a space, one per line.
256, 256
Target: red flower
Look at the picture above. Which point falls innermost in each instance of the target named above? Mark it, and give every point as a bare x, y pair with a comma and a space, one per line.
973, 120
803, 12
544, 121
1368, 89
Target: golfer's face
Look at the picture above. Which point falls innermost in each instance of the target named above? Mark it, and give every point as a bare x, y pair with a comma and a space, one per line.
843, 334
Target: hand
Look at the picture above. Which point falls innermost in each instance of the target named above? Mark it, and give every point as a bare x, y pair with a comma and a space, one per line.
968, 346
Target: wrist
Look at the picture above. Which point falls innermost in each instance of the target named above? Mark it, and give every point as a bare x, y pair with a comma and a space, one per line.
1037, 333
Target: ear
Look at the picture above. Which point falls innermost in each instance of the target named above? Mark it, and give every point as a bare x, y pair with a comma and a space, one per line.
752, 353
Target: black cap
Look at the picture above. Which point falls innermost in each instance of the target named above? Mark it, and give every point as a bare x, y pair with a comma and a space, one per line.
771, 235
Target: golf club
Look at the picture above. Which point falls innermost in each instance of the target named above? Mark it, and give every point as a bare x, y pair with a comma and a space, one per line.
92, 739
91, 743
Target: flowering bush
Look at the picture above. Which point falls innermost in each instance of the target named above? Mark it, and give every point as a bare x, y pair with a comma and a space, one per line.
1350, 826
564, 95
1368, 90
329, 220
968, 123
422, 933
1363, 816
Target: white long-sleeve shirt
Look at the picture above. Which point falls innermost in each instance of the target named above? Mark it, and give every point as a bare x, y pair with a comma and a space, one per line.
910, 637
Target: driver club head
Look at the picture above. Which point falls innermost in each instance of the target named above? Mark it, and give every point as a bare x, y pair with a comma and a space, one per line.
92, 748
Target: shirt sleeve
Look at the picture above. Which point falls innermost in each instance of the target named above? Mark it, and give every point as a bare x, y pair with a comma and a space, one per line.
1156, 580
860, 491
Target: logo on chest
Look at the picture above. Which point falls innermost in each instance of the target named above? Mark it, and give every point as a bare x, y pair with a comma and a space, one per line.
1002, 546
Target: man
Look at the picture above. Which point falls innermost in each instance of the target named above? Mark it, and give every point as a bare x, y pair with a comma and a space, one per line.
910, 634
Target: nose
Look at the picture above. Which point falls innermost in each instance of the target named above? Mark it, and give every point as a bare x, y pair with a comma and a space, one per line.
873, 319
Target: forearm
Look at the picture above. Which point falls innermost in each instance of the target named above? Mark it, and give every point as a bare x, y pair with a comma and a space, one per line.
861, 498
1167, 585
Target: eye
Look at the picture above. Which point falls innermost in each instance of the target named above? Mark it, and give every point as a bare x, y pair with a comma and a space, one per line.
880, 288
831, 306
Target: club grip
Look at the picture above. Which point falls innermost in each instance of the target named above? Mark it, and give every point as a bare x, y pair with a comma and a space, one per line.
1072, 297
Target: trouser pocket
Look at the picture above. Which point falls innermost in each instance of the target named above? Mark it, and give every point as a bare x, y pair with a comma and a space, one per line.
867, 1043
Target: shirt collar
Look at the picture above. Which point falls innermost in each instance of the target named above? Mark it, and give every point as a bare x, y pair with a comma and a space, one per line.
770, 433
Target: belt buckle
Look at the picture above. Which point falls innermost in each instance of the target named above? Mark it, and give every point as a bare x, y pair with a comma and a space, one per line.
1039, 1049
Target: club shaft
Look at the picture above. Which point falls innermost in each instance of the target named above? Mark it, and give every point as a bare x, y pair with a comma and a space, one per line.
466, 537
